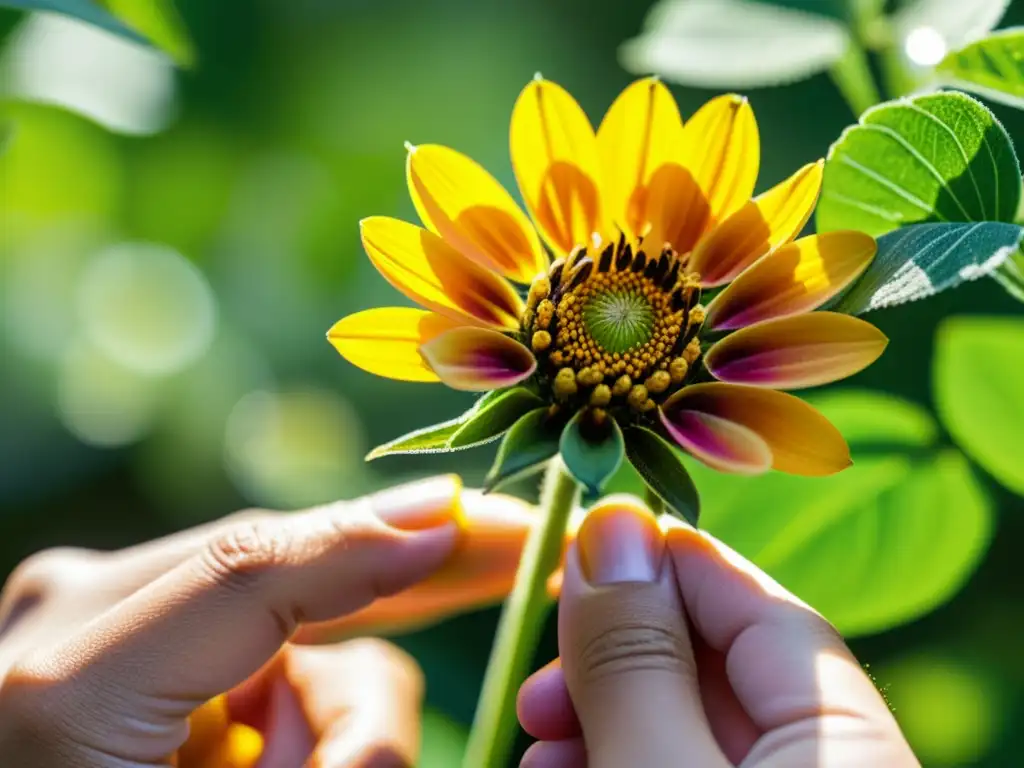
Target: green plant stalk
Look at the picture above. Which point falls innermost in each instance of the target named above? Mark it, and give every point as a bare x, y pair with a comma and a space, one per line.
494, 725
852, 76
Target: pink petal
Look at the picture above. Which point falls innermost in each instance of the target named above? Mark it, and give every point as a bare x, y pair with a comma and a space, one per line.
478, 359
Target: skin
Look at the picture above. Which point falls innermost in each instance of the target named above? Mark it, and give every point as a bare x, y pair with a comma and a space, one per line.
104, 657
676, 651
673, 649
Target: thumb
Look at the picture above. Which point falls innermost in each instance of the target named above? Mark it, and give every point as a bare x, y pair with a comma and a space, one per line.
625, 647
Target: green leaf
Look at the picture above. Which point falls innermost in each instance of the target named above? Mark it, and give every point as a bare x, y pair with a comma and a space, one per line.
924, 259
991, 67
489, 417
874, 546
871, 419
733, 43
662, 469
530, 442
142, 21
979, 382
592, 454
956, 21
940, 157
1010, 275
492, 416
160, 22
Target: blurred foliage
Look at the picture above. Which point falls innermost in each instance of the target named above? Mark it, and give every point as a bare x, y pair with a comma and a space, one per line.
174, 245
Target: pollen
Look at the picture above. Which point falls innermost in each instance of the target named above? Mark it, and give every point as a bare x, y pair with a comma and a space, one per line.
617, 326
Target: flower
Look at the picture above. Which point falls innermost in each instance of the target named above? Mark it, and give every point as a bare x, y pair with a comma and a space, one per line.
618, 344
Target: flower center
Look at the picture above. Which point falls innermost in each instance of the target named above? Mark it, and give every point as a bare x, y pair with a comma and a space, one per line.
618, 319
618, 328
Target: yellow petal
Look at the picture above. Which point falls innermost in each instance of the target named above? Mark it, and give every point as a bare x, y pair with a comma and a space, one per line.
460, 201
555, 157
801, 440
641, 132
798, 351
797, 278
719, 157
386, 341
430, 271
759, 226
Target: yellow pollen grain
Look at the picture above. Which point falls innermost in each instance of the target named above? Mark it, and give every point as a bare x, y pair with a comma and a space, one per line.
658, 382
622, 385
692, 351
677, 369
545, 312
541, 341
601, 396
565, 383
539, 290
637, 396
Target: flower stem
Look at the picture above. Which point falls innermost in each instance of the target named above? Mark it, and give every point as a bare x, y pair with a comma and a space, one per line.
852, 76
494, 726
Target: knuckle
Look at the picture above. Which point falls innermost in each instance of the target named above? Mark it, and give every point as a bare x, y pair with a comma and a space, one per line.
628, 648
47, 570
247, 552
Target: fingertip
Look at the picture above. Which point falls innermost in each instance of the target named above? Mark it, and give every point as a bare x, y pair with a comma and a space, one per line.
568, 753
544, 707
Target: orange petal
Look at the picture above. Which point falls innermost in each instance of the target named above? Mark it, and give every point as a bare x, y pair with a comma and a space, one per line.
797, 278
641, 132
719, 157
721, 444
428, 270
478, 359
759, 226
801, 440
555, 157
456, 198
387, 341
798, 351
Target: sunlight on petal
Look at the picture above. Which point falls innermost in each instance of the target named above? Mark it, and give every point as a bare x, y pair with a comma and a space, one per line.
387, 341
555, 157
428, 270
460, 201
797, 278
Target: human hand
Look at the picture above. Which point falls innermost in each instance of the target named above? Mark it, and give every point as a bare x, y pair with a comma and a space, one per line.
105, 656
676, 651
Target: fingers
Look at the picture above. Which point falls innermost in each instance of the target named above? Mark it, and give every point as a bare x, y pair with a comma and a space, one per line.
784, 662
570, 753
625, 648
480, 572
377, 688
214, 620
544, 707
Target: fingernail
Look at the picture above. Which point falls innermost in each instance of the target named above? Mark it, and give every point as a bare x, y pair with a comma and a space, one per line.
423, 504
620, 541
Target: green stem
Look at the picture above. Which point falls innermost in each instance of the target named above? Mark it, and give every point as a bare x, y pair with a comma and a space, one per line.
852, 76
494, 726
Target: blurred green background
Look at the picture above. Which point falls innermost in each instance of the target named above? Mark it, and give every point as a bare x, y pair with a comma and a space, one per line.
175, 244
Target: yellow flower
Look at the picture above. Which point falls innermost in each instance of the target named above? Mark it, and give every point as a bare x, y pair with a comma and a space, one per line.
644, 219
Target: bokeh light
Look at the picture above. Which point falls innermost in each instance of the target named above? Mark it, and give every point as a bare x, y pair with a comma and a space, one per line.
146, 307
948, 709
295, 448
102, 402
925, 46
